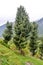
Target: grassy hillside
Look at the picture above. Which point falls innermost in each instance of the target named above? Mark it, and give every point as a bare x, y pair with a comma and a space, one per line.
9, 57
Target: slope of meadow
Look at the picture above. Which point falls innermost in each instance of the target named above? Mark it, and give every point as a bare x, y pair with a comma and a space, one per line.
9, 57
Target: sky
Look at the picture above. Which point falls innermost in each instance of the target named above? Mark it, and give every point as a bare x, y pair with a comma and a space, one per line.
8, 9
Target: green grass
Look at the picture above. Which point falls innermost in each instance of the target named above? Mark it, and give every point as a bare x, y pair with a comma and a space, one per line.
9, 57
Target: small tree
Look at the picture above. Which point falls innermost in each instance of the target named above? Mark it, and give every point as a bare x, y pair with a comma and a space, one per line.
21, 28
33, 39
7, 35
41, 49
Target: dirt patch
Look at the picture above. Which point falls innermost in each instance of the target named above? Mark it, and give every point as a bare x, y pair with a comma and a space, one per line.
28, 63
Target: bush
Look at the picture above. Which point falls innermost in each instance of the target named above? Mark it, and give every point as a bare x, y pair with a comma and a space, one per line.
1, 41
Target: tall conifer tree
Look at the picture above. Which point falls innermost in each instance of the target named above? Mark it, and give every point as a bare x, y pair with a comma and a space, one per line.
7, 35
33, 38
21, 28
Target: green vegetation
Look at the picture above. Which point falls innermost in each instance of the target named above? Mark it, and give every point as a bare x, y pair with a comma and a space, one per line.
8, 32
21, 28
9, 57
33, 39
41, 48
20, 41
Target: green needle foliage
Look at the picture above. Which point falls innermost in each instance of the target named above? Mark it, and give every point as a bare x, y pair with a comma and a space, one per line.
33, 39
41, 48
21, 28
7, 35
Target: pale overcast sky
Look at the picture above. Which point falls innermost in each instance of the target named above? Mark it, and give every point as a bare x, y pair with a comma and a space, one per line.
8, 9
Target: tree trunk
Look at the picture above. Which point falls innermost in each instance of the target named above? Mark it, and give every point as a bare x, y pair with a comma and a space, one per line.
21, 51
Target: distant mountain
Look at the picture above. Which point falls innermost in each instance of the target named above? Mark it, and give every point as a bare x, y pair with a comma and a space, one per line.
40, 26
2, 28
